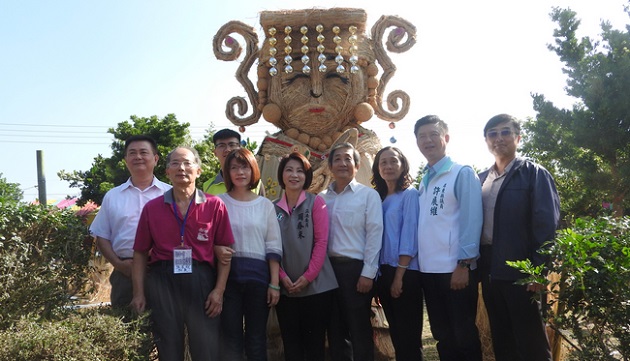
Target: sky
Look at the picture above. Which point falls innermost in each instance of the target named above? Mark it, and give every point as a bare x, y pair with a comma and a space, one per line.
69, 70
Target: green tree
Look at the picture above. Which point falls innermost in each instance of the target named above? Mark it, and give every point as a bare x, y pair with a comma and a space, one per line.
587, 148
9, 192
106, 173
209, 163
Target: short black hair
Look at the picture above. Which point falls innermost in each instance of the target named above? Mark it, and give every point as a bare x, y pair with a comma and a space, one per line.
225, 134
141, 138
503, 118
430, 119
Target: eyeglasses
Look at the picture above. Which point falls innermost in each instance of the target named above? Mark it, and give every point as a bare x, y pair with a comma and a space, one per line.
504, 133
230, 146
186, 164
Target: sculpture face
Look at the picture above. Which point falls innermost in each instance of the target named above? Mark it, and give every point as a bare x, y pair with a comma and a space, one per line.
313, 109
313, 36
319, 103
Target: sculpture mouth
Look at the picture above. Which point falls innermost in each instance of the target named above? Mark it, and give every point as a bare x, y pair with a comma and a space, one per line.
317, 110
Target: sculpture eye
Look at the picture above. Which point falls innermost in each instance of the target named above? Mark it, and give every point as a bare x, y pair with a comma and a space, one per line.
343, 79
293, 77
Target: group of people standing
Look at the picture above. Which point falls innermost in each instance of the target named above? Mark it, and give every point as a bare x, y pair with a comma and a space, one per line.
216, 265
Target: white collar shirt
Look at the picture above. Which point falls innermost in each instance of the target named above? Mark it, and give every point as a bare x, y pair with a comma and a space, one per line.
118, 216
356, 224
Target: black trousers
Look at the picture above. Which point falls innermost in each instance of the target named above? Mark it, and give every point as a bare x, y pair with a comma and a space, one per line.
452, 316
404, 314
177, 301
245, 304
350, 335
517, 328
303, 322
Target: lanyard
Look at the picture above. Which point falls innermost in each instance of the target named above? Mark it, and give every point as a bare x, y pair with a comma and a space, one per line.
182, 224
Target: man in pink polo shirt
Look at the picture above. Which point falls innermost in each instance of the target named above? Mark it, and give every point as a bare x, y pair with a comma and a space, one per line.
184, 287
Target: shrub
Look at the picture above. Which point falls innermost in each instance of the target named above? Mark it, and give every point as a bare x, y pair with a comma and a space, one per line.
91, 334
45, 255
593, 290
44, 258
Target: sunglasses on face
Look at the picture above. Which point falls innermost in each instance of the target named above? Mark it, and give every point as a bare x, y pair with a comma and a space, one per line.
504, 133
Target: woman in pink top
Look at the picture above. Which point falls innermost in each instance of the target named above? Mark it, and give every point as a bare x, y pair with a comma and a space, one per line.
306, 275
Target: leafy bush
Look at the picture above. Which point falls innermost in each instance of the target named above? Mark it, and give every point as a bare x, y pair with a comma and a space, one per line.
94, 335
593, 290
45, 255
44, 260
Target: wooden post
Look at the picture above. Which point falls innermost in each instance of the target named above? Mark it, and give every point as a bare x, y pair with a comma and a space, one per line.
41, 178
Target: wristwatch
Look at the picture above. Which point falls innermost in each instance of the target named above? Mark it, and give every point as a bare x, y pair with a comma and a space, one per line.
463, 263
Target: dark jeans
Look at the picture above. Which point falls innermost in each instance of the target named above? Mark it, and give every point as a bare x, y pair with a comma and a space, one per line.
177, 301
404, 314
452, 316
246, 301
350, 335
303, 322
122, 289
518, 330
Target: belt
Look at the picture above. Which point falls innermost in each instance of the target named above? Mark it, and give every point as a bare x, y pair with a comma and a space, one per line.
342, 259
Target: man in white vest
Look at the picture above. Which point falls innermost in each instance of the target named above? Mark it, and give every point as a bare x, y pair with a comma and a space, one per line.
449, 228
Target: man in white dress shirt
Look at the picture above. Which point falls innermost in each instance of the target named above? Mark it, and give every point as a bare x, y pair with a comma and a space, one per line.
355, 237
117, 220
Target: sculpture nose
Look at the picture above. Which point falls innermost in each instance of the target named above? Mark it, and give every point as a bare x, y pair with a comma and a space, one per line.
317, 88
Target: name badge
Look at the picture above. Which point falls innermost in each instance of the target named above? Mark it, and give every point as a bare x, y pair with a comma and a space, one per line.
182, 260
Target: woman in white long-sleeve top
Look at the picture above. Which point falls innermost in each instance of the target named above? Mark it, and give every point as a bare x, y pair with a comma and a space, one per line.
253, 284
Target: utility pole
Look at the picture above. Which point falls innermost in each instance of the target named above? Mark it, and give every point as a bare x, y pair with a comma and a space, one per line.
41, 178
